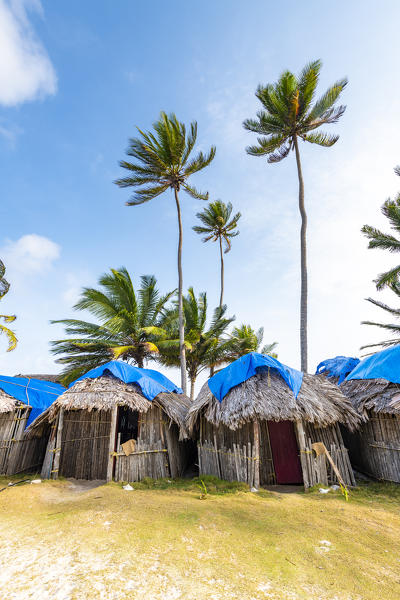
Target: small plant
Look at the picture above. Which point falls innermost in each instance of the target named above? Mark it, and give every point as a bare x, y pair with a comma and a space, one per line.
204, 492
344, 491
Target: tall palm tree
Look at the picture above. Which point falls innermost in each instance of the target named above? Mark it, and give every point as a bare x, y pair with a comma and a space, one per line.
393, 328
205, 344
161, 162
128, 325
4, 287
377, 239
289, 113
218, 226
244, 339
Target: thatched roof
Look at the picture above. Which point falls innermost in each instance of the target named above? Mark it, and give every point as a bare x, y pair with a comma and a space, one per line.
266, 396
8, 403
104, 392
379, 395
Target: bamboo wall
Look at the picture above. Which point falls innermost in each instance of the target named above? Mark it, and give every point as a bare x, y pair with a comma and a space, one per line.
18, 454
319, 470
232, 455
85, 444
227, 454
158, 451
375, 447
85, 451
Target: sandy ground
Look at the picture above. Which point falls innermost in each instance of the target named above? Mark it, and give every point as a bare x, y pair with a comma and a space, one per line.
64, 541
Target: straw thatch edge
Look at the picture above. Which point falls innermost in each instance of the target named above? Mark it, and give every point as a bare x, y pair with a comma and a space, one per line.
104, 392
379, 395
9, 403
266, 396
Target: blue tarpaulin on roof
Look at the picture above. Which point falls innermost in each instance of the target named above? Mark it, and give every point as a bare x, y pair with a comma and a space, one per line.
382, 365
340, 367
248, 365
35, 392
150, 382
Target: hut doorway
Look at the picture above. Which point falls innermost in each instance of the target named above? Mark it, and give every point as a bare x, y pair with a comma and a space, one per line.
285, 452
128, 424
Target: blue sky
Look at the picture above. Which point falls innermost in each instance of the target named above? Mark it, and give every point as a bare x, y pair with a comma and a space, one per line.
75, 80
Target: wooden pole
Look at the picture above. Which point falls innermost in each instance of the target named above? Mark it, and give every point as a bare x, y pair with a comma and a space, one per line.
302, 447
256, 430
57, 449
113, 429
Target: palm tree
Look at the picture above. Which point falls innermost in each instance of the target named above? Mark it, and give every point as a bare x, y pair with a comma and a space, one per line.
377, 239
288, 115
390, 327
161, 162
218, 226
128, 325
244, 339
205, 346
4, 287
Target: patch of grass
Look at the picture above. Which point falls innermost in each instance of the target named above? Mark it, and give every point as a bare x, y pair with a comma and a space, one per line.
213, 485
160, 542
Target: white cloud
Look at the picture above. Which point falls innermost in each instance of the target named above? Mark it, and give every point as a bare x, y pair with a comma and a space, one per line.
10, 133
26, 72
29, 253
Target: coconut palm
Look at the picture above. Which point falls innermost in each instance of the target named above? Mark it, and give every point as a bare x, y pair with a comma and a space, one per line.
244, 339
205, 344
289, 113
393, 328
4, 287
161, 162
218, 226
128, 325
377, 239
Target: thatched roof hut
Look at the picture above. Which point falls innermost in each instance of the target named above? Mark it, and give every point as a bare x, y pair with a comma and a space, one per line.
373, 387
97, 415
21, 399
262, 421
266, 396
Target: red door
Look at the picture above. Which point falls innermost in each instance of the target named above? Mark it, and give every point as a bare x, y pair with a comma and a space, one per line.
285, 452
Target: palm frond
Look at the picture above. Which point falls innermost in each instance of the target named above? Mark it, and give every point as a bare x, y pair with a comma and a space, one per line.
322, 139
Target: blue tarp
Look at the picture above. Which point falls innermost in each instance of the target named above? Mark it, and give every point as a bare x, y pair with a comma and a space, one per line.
248, 365
150, 382
382, 365
35, 392
340, 366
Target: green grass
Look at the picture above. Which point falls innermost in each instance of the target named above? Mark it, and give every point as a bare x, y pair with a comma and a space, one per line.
168, 540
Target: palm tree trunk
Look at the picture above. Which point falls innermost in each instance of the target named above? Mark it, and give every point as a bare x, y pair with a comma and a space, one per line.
192, 382
303, 246
182, 355
222, 272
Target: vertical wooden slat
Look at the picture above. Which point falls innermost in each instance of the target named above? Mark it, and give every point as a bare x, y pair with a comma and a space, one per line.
58, 449
256, 430
111, 446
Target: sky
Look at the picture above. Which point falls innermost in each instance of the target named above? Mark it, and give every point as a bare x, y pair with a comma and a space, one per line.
77, 78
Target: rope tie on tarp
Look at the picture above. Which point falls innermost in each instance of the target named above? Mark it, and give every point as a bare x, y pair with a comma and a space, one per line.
32, 388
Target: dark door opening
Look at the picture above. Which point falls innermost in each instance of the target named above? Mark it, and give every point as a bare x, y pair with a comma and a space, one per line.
128, 424
285, 452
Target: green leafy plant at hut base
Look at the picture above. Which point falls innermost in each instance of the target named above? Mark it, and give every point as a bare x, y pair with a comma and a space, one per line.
162, 161
289, 114
203, 488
